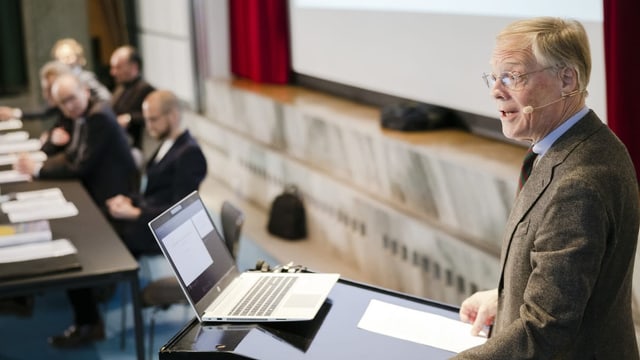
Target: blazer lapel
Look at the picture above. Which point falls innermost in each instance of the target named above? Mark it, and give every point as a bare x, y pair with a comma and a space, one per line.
541, 177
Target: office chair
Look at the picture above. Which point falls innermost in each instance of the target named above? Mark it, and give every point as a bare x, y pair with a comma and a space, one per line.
162, 293
232, 220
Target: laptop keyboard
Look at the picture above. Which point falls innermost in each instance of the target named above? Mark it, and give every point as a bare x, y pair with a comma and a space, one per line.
264, 296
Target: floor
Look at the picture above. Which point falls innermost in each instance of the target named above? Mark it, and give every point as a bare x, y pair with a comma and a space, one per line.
26, 338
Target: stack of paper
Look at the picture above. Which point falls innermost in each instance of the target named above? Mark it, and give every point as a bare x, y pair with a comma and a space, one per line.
10, 159
14, 136
11, 124
20, 146
37, 205
38, 258
11, 176
24, 233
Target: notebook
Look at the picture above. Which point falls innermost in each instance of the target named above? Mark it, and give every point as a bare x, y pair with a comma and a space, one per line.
213, 285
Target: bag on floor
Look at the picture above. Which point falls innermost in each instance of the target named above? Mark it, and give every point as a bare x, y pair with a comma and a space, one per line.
287, 217
409, 116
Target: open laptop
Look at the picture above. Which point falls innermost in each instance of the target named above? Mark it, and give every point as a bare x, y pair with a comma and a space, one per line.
211, 282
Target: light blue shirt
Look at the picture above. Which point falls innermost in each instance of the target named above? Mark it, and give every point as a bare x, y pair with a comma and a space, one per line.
542, 146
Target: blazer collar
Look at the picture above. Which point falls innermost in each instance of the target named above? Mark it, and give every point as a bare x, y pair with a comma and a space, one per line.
181, 139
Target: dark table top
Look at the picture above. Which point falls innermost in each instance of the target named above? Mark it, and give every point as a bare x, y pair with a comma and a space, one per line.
103, 256
333, 334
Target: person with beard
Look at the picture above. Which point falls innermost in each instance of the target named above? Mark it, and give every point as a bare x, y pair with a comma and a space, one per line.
131, 90
176, 169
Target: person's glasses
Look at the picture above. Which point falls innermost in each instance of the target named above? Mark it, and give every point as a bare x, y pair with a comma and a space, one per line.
510, 79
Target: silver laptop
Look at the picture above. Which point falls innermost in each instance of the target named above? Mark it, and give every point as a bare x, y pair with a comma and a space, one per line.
211, 282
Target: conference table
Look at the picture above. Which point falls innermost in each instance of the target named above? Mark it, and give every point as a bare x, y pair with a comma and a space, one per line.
103, 257
333, 334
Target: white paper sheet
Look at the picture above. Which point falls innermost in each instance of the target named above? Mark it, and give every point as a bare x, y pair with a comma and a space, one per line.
40, 194
11, 124
49, 193
418, 326
14, 136
20, 146
11, 176
31, 204
10, 159
55, 211
39, 250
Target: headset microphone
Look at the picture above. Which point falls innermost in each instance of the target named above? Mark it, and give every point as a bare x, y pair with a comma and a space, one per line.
529, 109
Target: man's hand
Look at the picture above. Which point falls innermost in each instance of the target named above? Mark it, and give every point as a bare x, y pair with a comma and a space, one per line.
121, 207
25, 165
7, 113
60, 137
480, 309
124, 119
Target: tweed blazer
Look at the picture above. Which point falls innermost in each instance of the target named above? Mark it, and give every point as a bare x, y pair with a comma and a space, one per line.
568, 254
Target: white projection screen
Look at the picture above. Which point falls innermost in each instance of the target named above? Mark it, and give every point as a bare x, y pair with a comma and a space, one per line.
425, 50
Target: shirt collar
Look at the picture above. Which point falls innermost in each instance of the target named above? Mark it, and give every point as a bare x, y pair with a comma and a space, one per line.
542, 146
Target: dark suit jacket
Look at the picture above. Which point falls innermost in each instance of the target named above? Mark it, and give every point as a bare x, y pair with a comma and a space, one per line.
102, 159
127, 99
177, 174
568, 254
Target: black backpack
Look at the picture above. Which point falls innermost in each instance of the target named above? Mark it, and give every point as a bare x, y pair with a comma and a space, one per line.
410, 116
287, 218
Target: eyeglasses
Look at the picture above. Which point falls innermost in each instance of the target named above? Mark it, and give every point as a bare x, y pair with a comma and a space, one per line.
509, 79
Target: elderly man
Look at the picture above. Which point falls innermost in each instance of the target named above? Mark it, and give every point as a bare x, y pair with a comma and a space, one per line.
99, 156
569, 246
97, 153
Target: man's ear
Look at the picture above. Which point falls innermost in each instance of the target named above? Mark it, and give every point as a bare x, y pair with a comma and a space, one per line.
569, 78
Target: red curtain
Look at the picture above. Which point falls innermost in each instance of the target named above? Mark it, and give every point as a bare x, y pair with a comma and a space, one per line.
260, 40
622, 59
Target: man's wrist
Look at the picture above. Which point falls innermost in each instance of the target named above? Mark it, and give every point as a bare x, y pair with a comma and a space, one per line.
36, 169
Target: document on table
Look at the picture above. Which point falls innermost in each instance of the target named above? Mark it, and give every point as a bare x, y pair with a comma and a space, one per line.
9, 159
418, 326
14, 136
34, 251
34, 205
11, 124
44, 212
31, 200
11, 176
20, 146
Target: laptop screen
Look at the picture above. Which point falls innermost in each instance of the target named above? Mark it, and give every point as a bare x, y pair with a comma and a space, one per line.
193, 246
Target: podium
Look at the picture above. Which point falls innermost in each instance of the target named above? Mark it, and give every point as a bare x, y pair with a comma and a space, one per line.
333, 334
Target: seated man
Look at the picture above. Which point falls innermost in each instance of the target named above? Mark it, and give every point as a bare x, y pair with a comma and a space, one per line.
176, 169
131, 90
98, 154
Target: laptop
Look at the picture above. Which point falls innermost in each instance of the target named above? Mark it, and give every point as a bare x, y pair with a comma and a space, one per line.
213, 285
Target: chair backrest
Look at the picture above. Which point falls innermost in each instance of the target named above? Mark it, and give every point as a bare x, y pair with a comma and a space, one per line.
232, 219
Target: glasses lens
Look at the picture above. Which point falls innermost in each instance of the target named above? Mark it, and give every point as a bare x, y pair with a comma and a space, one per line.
489, 80
509, 80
